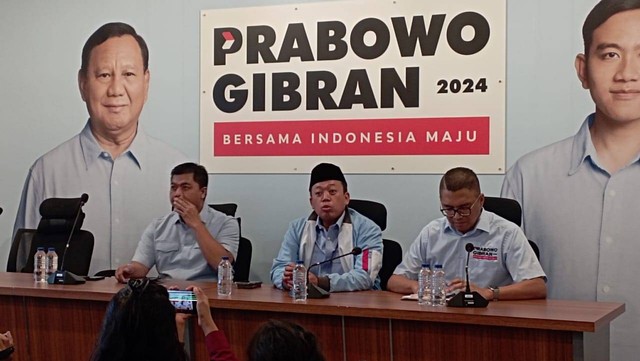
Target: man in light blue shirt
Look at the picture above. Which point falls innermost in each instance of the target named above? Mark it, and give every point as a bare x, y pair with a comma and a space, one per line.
113, 160
580, 195
188, 243
331, 230
502, 264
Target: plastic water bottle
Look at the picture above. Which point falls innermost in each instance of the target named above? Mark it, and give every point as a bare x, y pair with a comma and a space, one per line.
52, 262
225, 277
40, 265
424, 285
299, 282
439, 287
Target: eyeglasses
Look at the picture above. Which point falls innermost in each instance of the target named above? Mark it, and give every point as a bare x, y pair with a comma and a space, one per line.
462, 211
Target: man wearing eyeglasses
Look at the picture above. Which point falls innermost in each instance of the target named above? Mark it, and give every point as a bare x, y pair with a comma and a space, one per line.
502, 264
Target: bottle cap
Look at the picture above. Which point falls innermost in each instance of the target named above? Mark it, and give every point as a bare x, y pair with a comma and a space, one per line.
225, 257
300, 261
426, 265
52, 249
438, 266
40, 249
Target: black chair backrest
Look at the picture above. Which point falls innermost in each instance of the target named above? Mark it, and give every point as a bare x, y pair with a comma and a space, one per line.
375, 211
391, 258
242, 263
227, 208
510, 210
392, 251
57, 222
20, 247
230, 210
78, 256
506, 208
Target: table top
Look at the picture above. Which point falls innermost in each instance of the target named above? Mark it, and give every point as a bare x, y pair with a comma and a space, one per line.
566, 315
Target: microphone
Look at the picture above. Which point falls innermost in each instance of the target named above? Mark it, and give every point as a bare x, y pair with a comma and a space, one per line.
65, 277
313, 291
467, 298
469, 248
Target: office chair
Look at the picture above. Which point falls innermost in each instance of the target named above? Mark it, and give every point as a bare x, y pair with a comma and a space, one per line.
242, 263
392, 251
58, 216
510, 210
506, 208
20, 247
227, 208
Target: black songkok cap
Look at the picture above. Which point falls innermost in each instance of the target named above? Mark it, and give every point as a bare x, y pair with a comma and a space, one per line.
324, 172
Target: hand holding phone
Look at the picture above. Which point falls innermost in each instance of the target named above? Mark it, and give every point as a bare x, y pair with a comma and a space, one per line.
183, 301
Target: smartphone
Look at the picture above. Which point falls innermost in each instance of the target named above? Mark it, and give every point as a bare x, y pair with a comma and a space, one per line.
93, 278
250, 284
183, 301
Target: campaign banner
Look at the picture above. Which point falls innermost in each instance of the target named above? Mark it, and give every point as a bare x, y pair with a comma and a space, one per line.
373, 86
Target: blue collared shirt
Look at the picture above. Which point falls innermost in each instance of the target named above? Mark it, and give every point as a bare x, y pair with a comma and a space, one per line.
326, 247
125, 193
170, 245
585, 222
502, 253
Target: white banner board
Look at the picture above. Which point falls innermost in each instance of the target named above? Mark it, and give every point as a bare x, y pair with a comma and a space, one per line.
374, 86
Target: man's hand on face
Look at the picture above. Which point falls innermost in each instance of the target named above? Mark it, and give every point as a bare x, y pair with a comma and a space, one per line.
188, 211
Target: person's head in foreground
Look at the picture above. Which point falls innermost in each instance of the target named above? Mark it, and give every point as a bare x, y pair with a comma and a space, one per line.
280, 340
139, 325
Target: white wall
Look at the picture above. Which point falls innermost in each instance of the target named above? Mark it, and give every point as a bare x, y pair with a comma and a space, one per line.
40, 46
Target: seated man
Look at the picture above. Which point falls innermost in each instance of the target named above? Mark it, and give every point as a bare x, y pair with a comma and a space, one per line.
502, 265
189, 242
331, 230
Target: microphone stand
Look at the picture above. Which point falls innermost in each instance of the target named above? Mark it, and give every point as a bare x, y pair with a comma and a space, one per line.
467, 298
65, 277
314, 291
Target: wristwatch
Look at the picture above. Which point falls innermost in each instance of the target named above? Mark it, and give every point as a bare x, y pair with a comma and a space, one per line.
496, 293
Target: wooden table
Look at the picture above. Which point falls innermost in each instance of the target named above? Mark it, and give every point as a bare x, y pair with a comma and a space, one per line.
370, 325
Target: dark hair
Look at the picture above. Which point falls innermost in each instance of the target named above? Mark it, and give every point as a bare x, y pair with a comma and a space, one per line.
106, 32
459, 178
139, 325
283, 340
601, 13
199, 172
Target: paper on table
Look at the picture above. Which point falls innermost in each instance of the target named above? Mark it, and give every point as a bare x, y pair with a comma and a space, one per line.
411, 297
414, 296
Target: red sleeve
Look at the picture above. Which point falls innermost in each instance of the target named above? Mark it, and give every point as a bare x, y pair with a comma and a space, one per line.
218, 347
